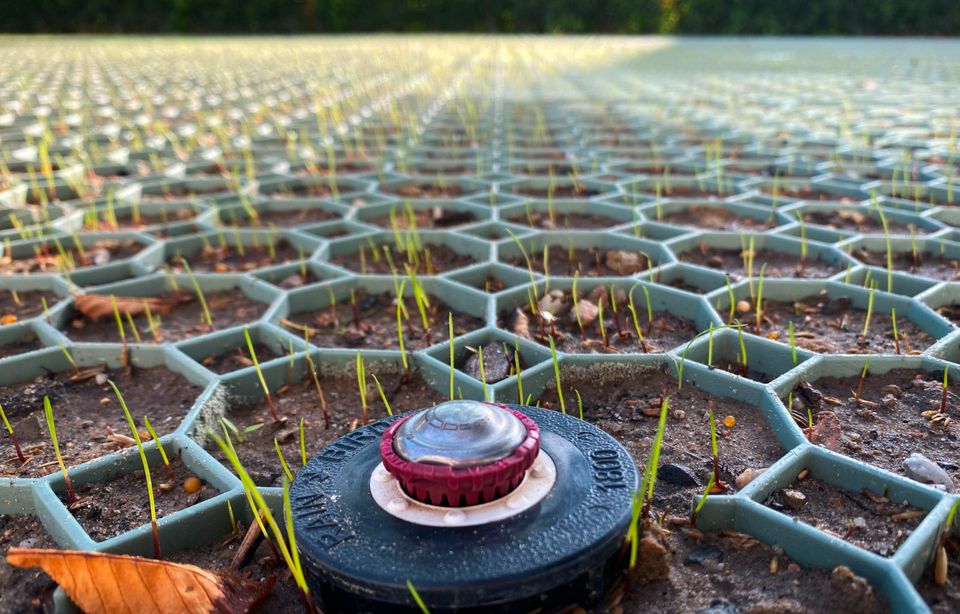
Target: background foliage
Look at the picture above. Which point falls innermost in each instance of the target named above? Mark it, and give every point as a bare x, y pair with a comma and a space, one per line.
894, 17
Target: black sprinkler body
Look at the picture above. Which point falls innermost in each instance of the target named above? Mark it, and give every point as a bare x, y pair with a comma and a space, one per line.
394, 501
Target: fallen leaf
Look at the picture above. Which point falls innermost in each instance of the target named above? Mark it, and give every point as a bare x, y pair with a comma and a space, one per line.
96, 306
102, 583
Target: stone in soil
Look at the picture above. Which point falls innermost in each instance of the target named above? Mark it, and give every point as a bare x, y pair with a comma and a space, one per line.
591, 262
867, 520
52, 260
716, 218
85, 411
885, 435
24, 591
227, 308
731, 261
833, 326
257, 451
563, 221
943, 599
377, 324
107, 509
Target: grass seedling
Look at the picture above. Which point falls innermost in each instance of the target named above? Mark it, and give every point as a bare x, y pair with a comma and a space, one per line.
866, 322
896, 334
636, 323
66, 353
556, 375
403, 351
646, 299
452, 367
263, 380
713, 448
48, 412
316, 383
283, 461
703, 499
46, 310
793, 342
733, 301
759, 321
383, 396
417, 599
516, 367
13, 437
303, 442
943, 396
603, 329
863, 376
710, 345
483, 375
579, 404
940, 566
146, 468
233, 519
362, 387
207, 318
743, 349
160, 448
576, 306
355, 310
124, 355
803, 244
641, 498
889, 246
241, 434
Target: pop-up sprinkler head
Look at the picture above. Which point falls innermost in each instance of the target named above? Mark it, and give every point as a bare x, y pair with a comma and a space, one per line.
463, 499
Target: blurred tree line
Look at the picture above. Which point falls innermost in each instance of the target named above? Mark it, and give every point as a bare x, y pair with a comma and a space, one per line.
892, 17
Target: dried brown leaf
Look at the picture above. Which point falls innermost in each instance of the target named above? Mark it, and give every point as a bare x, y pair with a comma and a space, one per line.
96, 306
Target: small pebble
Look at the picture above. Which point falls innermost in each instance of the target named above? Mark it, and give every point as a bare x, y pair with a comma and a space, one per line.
743, 306
729, 422
889, 401
678, 414
794, 498
892, 389
747, 476
191, 485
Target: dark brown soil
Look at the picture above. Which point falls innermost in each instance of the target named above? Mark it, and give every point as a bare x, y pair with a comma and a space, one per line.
675, 191
229, 259
565, 191
591, 262
779, 264
625, 402
885, 524
802, 193
853, 221
426, 190
258, 453
107, 509
239, 358
24, 304
709, 568
950, 312
84, 412
717, 218
926, 265
314, 190
750, 372
127, 221
835, 327
296, 280
25, 343
563, 221
227, 308
559, 170
50, 259
376, 326
887, 425
281, 219
25, 591
943, 599
437, 217
434, 259
182, 192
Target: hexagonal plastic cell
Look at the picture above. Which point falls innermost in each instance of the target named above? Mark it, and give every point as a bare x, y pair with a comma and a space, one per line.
781, 191
432, 187
713, 215
534, 167
161, 219
491, 277
609, 315
158, 383
427, 214
692, 279
185, 191
738, 354
566, 215
930, 258
558, 188
237, 250
914, 194
783, 256
426, 252
268, 213
945, 300
165, 308
587, 254
84, 258
32, 222
227, 350
28, 297
309, 188
296, 274
681, 187
833, 318
364, 313
845, 221
433, 167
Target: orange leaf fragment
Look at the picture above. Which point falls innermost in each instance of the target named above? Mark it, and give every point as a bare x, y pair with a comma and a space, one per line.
96, 306
8, 318
101, 583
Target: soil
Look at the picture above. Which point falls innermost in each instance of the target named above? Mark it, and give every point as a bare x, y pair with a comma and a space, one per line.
229, 259
564, 191
283, 598
280, 219
727, 571
186, 320
16, 306
835, 327
563, 221
314, 190
716, 218
802, 193
943, 599
50, 259
664, 332
426, 190
25, 591
258, 453
590, 262
21, 345
377, 327
127, 222
239, 358
182, 192
690, 192
778, 264
926, 265
107, 509
882, 526
84, 412
437, 217
624, 400
564, 170
950, 312
887, 425
432, 260
854, 221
